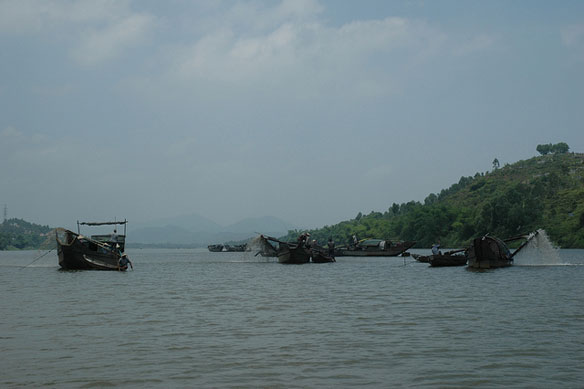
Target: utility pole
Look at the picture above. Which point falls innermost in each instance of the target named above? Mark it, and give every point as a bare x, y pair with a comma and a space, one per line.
5, 213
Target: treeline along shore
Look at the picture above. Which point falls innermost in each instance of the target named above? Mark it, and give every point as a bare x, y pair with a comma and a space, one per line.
544, 192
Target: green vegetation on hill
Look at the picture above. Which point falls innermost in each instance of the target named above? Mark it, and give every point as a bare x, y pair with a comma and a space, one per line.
542, 192
19, 234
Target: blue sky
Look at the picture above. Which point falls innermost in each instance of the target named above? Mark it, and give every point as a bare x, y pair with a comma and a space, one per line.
311, 111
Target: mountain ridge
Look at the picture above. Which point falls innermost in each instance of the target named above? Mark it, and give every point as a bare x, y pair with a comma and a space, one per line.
184, 230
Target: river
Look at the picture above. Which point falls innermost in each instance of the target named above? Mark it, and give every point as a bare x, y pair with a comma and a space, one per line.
191, 318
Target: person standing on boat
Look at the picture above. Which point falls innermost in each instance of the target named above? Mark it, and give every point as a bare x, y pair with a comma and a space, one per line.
114, 239
331, 247
436, 248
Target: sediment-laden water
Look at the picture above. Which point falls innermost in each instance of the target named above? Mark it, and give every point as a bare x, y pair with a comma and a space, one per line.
191, 318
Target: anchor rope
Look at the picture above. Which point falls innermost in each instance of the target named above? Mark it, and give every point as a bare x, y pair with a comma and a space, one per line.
24, 267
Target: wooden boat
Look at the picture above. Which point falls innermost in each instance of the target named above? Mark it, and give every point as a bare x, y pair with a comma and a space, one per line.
447, 259
293, 254
319, 256
488, 252
375, 248
422, 258
236, 248
215, 248
98, 252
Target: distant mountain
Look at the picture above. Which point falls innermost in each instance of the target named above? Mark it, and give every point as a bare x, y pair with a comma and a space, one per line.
159, 235
197, 230
266, 224
192, 222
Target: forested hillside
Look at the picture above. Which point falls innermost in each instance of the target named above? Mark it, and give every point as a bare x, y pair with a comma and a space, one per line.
20, 234
542, 192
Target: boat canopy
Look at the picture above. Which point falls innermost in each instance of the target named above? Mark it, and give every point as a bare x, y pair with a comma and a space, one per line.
370, 242
101, 223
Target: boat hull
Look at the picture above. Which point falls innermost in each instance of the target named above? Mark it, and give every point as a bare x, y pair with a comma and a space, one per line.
237, 248
447, 260
392, 251
320, 257
293, 255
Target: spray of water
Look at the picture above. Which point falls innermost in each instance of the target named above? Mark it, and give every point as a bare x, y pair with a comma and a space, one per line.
539, 251
254, 247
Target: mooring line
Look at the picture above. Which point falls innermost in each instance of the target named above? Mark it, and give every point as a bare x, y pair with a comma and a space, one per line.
24, 267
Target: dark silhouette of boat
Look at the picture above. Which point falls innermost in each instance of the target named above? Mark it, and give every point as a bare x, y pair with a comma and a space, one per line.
451, 258
215, 248
488, 252
98, 252
236, 248
422, 258
374, 248
293, 254
319, 256
287, 252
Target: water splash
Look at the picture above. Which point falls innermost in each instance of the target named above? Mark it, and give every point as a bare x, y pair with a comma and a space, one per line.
539, 251
255, 247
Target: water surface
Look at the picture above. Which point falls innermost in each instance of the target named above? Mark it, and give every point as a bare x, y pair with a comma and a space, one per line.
191, 318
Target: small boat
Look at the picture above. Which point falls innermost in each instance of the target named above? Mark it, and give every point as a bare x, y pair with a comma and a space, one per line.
488, 252
422, 258
288, 253
98, 252
293, 254
375, 248
215, 248
447, 259
319, 256
236, 248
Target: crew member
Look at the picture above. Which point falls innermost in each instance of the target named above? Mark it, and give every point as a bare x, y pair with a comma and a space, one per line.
123, 262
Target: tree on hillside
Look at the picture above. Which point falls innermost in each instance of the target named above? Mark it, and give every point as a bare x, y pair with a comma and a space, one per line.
544, 149
558, 148
495, 164
395, 208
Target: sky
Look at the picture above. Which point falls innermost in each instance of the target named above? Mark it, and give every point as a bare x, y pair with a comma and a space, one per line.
310, 111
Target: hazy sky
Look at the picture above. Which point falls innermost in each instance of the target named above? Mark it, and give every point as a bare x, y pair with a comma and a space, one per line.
310, 111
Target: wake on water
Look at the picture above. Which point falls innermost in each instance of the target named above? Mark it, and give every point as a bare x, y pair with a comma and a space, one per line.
539, 251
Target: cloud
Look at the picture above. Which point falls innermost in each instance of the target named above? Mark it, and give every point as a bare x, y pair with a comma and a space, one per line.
475, 44
573, 38
99, 45
36, 16
308, 58
97, 30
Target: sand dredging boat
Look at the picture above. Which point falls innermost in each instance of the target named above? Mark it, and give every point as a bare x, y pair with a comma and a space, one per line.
489, 252
290, 253
97, 252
